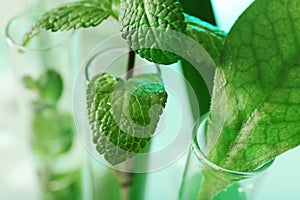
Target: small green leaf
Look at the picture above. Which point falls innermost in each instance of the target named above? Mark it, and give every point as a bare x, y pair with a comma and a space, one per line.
144, 23
52, 132
123, 115
73, 15
255, 109
208, 36
29, 83
50, 86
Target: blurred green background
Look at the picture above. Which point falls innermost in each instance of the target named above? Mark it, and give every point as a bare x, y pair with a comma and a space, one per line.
17, 178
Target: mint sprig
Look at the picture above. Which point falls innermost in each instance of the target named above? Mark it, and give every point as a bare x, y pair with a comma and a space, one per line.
151, 28
52, 130
123, 115
256, 101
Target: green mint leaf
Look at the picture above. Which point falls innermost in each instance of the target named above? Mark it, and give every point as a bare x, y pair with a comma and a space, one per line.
52, 132
29, 83
74, 15
144, 23
123, 115
208, 36
256, 101
50, 86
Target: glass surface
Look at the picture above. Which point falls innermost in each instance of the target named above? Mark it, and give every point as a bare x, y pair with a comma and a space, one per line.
108, 181
169, 142
204, 180
44, 71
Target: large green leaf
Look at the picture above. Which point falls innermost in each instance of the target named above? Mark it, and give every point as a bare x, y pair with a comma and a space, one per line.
255, 109
144, 24
123, 115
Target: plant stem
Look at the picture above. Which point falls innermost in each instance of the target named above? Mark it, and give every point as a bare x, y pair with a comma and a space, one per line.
130, 64
125, 178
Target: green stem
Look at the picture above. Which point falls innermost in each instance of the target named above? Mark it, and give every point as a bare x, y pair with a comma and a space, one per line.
45, 179
91, 176
130, 64
125, 179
